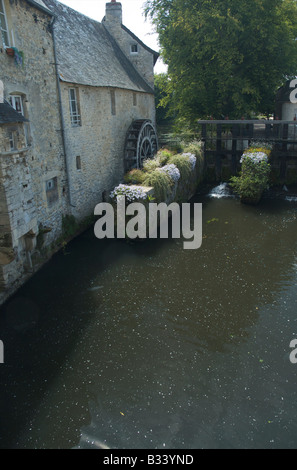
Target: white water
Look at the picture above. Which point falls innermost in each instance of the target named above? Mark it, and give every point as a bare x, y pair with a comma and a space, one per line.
291, 198
220, 191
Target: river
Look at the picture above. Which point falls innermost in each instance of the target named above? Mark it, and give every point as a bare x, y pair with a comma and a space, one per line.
146, 345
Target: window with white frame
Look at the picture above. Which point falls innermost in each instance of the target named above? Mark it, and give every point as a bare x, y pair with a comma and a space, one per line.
17, 103
74, 107
3, 25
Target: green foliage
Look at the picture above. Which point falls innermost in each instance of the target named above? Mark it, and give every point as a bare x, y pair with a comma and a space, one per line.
161, 184
225, 57
253, 179
134, 177
163, 156
150, 175
150, 165
194, 147
162, 98
183, 164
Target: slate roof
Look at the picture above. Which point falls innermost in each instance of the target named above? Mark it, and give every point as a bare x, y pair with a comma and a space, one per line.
88, 55
9, 115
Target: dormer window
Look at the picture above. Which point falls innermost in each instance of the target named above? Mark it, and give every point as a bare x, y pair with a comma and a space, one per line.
134, 48
3, 25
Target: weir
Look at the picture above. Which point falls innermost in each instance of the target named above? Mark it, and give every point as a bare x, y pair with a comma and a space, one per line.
225, 141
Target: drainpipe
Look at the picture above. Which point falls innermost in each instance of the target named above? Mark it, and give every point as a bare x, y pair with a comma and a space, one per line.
61, 112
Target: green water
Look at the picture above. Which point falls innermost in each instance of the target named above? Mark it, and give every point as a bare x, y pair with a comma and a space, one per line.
152, 346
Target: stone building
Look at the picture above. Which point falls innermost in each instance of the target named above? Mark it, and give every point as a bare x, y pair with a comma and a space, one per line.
76, 110
32, 160
285, 109
105, 84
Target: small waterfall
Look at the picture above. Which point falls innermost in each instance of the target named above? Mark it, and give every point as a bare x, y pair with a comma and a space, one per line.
291, 198
220, 191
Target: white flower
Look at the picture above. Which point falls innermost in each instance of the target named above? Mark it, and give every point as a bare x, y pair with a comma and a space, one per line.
172, 171
255, 157
131, 193
191, 157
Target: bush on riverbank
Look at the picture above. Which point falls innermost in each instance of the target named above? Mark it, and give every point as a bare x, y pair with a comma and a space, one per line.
161, 183
134, 177
254, 176
166, 171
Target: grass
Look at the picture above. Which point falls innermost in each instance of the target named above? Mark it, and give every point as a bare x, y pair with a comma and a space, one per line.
161, 184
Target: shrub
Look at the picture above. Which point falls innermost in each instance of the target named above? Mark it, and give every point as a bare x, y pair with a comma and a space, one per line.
131, 193
161, 183
183, 164
194, 147
134, 177
254, 156
163, 156
192, 159
150, 165
253, 178
257, 149
172, 171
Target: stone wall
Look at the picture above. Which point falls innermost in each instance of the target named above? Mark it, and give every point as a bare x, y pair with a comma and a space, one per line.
24, 175
45, 177
95, 149
35, 82
143, 58
289, 111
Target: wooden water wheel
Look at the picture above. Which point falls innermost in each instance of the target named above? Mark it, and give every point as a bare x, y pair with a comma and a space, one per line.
141, 143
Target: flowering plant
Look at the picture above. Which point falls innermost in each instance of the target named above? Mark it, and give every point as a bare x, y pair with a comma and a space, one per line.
255, 157
191, 158
172, 171
131, 193
253, 178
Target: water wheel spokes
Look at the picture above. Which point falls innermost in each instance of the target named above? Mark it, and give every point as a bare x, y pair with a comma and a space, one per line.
141, 143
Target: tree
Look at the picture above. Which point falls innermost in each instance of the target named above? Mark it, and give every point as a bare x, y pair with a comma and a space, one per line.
161, 96
226, 57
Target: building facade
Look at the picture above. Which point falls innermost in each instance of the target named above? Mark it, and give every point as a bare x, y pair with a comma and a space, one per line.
70, 89
286, 108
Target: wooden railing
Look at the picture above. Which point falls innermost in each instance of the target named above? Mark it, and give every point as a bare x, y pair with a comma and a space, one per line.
229, 138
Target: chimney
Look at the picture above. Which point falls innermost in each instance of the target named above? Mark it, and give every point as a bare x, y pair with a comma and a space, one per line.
1, 92
113, 12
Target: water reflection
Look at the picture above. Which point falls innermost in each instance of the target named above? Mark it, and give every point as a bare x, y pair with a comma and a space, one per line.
152, 346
